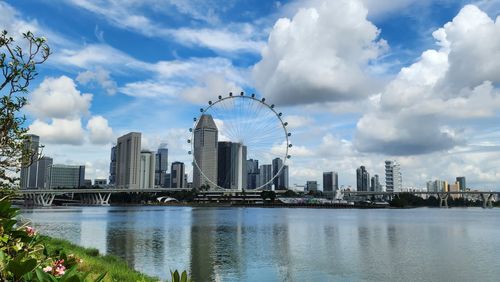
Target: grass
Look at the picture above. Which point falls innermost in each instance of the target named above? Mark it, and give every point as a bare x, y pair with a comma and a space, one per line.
116, 268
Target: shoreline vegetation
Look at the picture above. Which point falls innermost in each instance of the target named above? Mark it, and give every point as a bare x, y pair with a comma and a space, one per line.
95, 264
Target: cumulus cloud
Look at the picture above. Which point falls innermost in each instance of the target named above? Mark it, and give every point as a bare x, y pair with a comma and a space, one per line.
58, 98
59, 131
99, 130
320, 55
211, 85
456, 82
99, 76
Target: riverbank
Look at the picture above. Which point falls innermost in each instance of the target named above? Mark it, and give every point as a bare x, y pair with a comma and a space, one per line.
115, 268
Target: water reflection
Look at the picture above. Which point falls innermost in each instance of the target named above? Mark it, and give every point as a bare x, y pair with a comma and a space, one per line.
228, 244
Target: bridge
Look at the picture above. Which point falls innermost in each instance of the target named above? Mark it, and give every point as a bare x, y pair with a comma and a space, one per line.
486, 197
100, 196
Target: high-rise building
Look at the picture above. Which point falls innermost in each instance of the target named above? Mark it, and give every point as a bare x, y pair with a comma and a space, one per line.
177, 175
362, 179
168, 180
330, 181
375, 184
280, 172
461, 181
161, 166
253, 174
437, 186
205, 152
29, 173
66, 176
112, 167
312, 185
147, 170
43, 172
128, 160
232, 165
266, 174
393, 178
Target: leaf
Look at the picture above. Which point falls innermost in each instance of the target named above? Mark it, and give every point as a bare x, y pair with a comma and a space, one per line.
19, 268
101, 277
184, 276
175, 276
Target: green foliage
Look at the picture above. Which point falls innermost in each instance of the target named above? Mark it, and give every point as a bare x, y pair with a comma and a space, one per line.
267, 194
18, 69
179, 278
290, 193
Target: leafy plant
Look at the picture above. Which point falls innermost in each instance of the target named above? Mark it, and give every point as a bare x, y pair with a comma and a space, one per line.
183, 277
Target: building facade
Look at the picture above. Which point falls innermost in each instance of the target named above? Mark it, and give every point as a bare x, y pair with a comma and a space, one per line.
266, 174
232, 165
312, 186
280, 174
147, 170
330, 181
67, 176
461, 181
362, 179
375, 184
253, 174
393, 177
161, 167
128, 160
177, 179
205, 152
29, 172
112, 167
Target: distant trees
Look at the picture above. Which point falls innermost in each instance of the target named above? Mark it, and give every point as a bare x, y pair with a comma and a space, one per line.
18, 68
267, 194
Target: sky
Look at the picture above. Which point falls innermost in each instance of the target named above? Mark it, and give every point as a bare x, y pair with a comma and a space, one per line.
358, 81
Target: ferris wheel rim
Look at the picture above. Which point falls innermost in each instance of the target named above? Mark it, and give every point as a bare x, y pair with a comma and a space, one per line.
261, 101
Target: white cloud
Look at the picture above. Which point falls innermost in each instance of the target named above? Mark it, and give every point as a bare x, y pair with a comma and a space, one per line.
59, 131
210, 86
99, 76
453, 84
99, 130
320, 55
127, 15
58, 98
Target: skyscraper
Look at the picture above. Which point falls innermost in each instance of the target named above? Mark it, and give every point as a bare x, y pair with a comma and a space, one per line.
161, 166
375, 184
43, 172
147, 170
393, 178
266, 174
362, 179
330, 181
112, 167
461, 181
66, 176
205, 152
281, 172
232, 165
177, 175
29, 173
128, 160
253, 176
312, 185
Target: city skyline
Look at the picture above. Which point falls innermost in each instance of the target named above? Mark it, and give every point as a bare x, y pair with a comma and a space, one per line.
111, 88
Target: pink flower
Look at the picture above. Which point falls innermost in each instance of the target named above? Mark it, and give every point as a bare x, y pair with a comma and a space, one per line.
47, 269
31, 231
60, 270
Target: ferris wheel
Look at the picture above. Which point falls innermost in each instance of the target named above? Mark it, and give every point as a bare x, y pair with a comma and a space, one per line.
252, 143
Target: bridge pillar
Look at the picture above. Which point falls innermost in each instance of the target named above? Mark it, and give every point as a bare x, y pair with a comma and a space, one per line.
443, 200
487, 200
41, 200
97, 199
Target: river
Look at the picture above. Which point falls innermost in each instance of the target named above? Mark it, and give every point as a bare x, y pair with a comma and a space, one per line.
288, 244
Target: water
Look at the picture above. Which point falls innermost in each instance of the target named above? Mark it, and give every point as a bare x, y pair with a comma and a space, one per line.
259, 244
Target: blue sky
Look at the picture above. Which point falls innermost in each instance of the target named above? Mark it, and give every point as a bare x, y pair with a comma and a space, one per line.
359, 81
